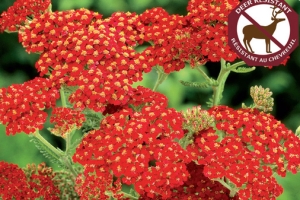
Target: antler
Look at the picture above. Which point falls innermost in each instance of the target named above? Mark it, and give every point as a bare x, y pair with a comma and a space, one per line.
277, 12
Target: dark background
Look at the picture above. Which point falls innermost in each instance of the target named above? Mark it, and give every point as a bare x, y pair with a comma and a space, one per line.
16, 66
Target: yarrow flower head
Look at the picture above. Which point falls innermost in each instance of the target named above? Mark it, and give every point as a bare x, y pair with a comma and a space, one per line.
65, 120
80, 49
138, 146
40, 180
31, 184
177, 39
22, 105
12, 179
242, 147
208, 20
134, 139
198, 186
159, 30
17, 15
48, 31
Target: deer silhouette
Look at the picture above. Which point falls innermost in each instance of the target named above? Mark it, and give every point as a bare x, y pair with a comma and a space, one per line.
251, 31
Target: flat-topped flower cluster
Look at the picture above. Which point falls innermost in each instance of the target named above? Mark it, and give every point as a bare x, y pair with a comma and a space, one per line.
227, 153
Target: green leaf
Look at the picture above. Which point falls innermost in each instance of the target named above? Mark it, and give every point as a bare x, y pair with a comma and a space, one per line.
205, 84
46, 151
128, 191
243, 69
66, 181
220, 133
210, 103
74, 145
187, 139
92, 122
68, 90
297, 132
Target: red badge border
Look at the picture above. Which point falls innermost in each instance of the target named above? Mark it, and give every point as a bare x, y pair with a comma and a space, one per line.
232, 34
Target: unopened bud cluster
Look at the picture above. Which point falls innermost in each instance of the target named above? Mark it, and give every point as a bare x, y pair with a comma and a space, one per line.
41, 169
262, 98
197, 119
65, 181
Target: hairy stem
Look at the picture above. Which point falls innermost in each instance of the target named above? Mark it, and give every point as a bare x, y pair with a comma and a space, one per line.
198, 68
65, 158
69, 165
46, 143
124, 194
129, 196
64, 104
218, 90
235, 65
233, 191
63, 97
161, 77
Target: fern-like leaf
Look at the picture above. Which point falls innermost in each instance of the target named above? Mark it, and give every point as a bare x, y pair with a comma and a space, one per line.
74, 145
47, 152
65, 181
92, 122
187, 139
210, 103
206, 84
243, 69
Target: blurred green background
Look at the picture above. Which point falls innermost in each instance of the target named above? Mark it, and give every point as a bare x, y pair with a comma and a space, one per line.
16, 66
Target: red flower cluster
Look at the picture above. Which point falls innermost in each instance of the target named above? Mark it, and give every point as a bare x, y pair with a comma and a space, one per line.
97, 90
22, 105
245, 150
12, 182
40, 180
97, 182
71, 41
49, 31
159, 30
208, 20
198, 186
97, 55
138, 141
199, 37
138, 146
65, 120
17, 14
15, 184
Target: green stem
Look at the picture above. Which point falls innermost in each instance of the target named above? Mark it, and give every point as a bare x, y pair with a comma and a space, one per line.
235, 65
63, 157
7, 31
68, 164
233, 191
129, 196
218, 90
64, 104
124, 194
156, 84
63, 97
68, 141
223, 183
223, 75
161, 77
202, 73
46, 143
